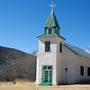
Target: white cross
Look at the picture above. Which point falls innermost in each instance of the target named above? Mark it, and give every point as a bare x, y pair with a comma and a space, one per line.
52, 6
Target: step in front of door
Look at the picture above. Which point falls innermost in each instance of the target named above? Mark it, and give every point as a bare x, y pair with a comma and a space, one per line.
46, 84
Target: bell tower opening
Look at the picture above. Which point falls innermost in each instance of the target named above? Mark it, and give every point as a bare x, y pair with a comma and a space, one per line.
49, 30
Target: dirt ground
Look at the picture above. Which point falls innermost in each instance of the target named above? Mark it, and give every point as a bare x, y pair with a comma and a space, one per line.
26, 85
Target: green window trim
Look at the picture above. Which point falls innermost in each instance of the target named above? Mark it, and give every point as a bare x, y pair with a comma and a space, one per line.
50, 30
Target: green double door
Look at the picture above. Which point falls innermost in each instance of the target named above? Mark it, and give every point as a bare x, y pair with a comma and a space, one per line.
47, 75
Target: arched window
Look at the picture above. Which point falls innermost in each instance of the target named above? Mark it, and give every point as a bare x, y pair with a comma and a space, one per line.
47, 46
50, 30
88, 71
60, 47
81, 70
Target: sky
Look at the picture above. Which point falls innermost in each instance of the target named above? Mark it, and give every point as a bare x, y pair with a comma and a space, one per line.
21, 21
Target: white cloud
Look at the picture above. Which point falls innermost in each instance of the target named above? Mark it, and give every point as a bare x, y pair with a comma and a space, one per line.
88, 50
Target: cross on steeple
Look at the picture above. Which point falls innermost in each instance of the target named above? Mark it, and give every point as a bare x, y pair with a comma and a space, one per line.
52, 6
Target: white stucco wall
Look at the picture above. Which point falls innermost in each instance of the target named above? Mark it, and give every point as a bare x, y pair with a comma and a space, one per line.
73, 61
69, 62
48, 58
85, 62
59, 60
67, 59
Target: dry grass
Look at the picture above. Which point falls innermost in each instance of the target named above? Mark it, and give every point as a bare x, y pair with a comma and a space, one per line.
26, 85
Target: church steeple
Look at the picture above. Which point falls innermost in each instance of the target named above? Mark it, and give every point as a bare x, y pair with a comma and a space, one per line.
50, 53
52, 23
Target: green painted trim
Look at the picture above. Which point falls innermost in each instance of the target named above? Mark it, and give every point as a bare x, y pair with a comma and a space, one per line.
49, 70
46, 84
55, 30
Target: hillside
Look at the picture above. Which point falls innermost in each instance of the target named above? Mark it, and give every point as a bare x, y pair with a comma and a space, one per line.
16, 64
9, 54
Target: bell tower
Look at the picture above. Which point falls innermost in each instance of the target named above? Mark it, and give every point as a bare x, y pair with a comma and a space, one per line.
49, 58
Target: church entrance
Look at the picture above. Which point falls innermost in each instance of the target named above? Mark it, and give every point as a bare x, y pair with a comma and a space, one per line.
47, 75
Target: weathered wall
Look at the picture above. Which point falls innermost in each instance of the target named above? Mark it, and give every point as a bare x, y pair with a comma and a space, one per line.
73, 61
48, 58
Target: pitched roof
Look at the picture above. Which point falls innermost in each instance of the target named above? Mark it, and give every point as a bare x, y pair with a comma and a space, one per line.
52, 21
77, 50
50, 35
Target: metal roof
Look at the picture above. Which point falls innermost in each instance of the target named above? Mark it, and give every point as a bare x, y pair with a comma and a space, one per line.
50, 35
77, 50
52, 21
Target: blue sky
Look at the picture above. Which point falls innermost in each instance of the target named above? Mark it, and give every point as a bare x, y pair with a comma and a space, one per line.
21, 21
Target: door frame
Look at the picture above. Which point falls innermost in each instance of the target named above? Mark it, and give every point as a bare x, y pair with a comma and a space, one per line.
47, 83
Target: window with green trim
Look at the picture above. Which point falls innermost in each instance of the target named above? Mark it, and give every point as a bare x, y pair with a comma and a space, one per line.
49, 30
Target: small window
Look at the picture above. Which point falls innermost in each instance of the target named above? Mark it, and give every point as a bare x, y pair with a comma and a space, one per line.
60, 47
81, 70
88, 71
47, 46
44, 68
49, 67
49, 30
66, 69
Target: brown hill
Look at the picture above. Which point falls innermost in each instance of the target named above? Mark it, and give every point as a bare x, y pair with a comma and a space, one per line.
16, 64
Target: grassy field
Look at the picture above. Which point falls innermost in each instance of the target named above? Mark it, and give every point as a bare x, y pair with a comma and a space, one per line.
26, 85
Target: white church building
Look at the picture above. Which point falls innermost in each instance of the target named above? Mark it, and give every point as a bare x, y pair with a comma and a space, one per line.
59, 62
